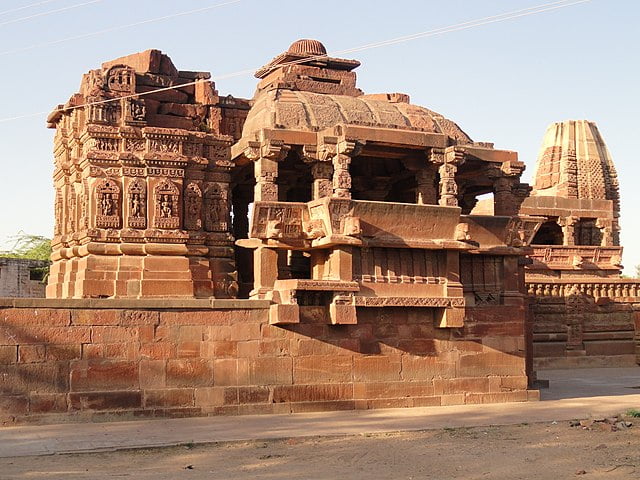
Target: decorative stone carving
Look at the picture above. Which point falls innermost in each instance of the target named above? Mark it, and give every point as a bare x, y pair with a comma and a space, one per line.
462, 232
448, 185
166, 199
409, 302
107, 194
120, 79
192, 207
57, 230
341, 176
322, 173
84, 207
136, 111
137, 199
278, 220
216, 214
71, 212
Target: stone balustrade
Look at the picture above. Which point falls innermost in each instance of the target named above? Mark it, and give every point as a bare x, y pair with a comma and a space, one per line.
613, 288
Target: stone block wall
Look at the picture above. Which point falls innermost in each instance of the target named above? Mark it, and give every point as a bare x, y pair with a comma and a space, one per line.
21, 277
202, 357
591, 334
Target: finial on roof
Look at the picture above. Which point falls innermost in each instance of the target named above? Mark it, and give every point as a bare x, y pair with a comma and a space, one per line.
307, 52
307, 46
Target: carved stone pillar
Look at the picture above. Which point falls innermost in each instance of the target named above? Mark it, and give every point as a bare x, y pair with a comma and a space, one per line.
266, 173
322, 173
606, 228
426, 192
345, 150
504, 201
568, 230
341, 176
266, 155
520, 192
448, 186
265, 271
448, 161
321, 168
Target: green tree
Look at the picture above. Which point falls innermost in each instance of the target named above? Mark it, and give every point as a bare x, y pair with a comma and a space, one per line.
33, 247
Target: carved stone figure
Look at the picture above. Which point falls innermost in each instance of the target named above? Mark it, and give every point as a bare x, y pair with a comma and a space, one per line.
137, 193
107, 201
216, 208
193, 206
166, 201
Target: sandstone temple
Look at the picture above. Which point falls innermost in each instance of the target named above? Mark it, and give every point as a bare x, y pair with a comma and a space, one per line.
314, 247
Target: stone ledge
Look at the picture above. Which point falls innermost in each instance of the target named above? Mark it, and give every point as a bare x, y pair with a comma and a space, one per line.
142, 303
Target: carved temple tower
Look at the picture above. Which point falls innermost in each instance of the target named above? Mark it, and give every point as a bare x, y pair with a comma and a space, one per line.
576, 190
142, 174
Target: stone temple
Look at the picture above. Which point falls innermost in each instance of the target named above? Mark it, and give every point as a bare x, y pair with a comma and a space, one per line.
312, 248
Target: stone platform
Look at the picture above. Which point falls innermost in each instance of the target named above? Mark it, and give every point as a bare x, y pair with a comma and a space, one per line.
101, 358
572, 395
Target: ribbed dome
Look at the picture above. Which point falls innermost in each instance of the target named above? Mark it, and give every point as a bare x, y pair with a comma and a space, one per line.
307, 46
308, 111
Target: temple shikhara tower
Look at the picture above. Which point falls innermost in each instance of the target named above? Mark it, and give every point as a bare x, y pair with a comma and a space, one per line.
142, 201
576, 190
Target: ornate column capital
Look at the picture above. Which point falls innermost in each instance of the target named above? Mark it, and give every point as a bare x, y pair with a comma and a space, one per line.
349, 147
272, 149
512, 169
454, 155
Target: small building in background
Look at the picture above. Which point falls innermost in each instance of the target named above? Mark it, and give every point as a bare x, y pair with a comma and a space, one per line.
23, 277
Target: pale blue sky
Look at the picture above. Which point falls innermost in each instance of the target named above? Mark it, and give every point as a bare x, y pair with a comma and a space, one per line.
503, 82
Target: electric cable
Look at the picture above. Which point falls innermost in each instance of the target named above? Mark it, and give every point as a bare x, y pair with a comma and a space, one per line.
27, 6
49, 12
116, 28
439, 31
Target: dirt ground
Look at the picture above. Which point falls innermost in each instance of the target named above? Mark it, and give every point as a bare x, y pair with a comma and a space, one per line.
535, 451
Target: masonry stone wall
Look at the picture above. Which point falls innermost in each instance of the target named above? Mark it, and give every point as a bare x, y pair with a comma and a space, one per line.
205, 357
21, 277
580, 332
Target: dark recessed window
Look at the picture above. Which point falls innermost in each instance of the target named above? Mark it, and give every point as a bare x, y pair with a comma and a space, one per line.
37, 274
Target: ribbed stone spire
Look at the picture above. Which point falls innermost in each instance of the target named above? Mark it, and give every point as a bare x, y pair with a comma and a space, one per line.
574, 162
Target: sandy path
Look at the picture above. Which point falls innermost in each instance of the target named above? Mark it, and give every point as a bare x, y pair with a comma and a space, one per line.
538, 451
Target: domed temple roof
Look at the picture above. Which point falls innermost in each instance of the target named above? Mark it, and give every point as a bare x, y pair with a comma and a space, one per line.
574, 162
304, 89
309, 111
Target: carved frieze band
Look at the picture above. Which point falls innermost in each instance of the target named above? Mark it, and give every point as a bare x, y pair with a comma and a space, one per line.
436, 302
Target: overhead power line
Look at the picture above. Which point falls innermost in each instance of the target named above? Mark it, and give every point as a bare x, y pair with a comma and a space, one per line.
439, 31
430, 33
27, 6
49, 12
116, 28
